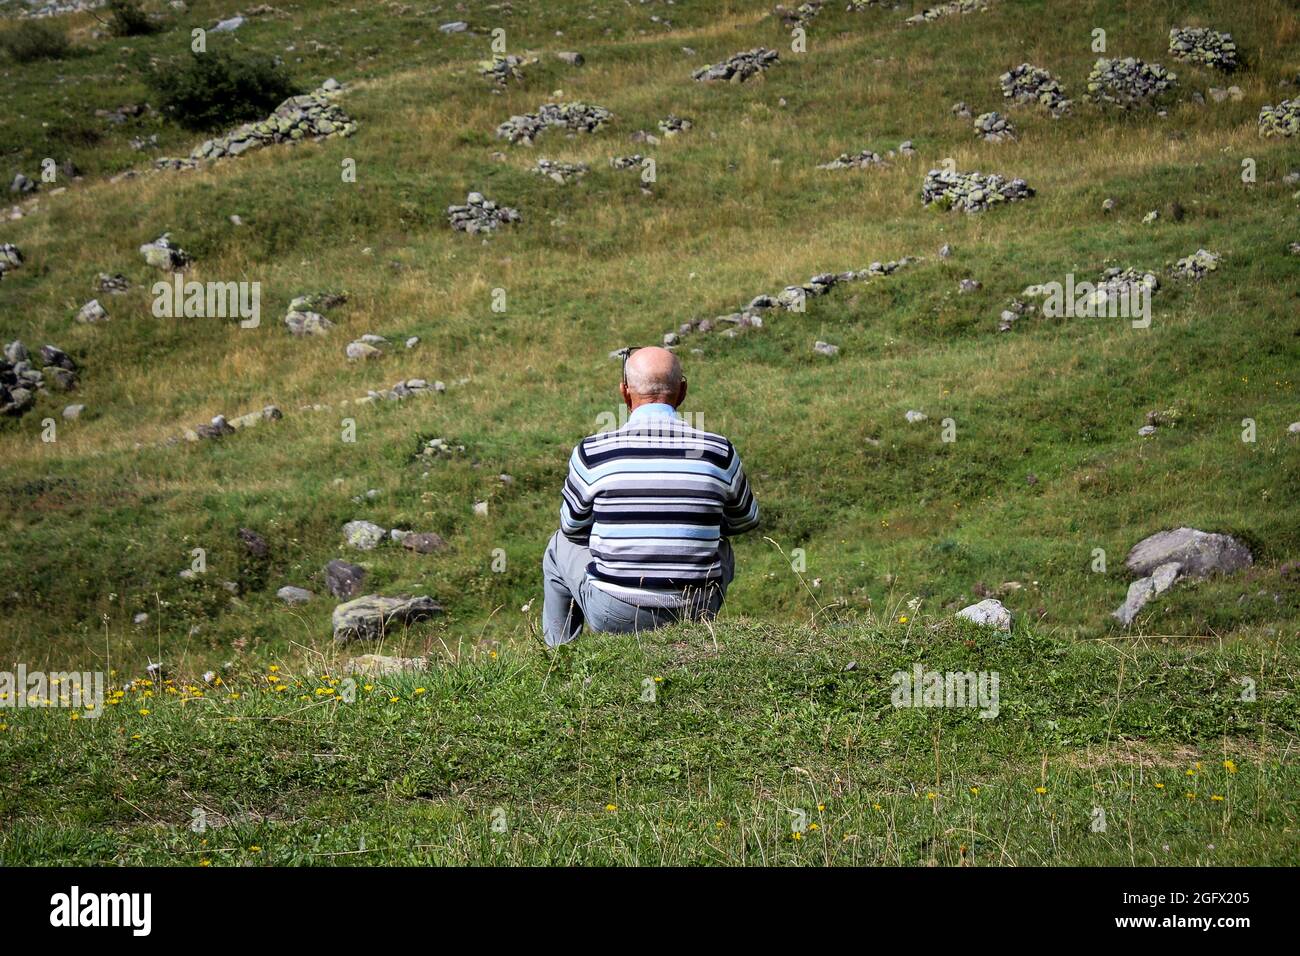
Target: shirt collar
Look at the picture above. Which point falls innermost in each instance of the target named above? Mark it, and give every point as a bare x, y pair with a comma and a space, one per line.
652, 410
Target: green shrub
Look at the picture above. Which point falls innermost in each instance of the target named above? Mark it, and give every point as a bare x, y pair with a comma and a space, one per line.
128, 19
218, 88
31, 40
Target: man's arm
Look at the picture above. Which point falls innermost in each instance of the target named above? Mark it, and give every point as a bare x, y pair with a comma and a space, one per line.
576, 514
740, 510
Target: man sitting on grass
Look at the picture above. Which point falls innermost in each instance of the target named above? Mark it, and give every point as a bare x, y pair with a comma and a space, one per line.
646, 513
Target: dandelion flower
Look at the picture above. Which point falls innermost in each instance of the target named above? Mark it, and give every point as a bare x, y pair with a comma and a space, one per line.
144, 711
1229, 766
611, 807
1216, 798
1040, 790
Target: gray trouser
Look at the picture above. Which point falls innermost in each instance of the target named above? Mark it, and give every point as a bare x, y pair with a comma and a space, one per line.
572, 600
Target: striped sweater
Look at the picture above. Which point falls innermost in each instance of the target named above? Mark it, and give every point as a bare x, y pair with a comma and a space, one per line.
653, 500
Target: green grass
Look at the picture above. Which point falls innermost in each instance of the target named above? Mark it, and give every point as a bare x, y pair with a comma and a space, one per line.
99, 523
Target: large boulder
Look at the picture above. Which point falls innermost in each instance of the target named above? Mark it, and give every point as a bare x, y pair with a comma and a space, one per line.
1198, 553
374, 616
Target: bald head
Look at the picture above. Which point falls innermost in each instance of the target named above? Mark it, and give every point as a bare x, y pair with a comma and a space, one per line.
654, 375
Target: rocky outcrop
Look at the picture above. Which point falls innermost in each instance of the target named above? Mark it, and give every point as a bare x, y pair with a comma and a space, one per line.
21, 381
993, 127
1168, 556
563, 173
374, 617
1280, 120
1129, 83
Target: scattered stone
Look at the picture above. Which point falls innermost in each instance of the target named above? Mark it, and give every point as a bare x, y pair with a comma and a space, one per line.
1108, 205
307, 323
362, 350
344, 579
114, 284
1031, 84
229, 26
254, 544
961, 109
504, 67
1129, 83
363, 535
1151, 217
10, 258
945, 251
293, 596
635, 161
947, 10
994, 128
1280, 120
1196, 266
914, 417
739, 67
971, 192
792, 17
1146, 431
480, 215
73, 412
373, 616
162, 254
1204, 46
824, 348
562, 173
571, 57
480, 509
574, 117
413, 341
92, 312
966, 286
21, 184
862, 160
672, 124
455, 26
988, 613
424, 542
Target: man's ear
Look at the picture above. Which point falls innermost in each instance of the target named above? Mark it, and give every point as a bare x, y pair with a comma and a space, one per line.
626, 393
681, 395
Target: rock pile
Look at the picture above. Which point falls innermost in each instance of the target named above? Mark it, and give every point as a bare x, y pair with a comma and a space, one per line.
312, 115
1205, 46
20, 379
1129, 83
479, 215
1280, 120
574, 117
562, 173
636, 160
867, 158
947, 10
993, 127
673, 124
1129, 282
971, 192
1169, 556
304, 315
1196, 266
792, 17
739, 67
114, 284
1027, 83
504, 67
10, 258
162, 254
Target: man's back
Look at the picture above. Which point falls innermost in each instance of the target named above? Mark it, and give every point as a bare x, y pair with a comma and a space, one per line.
655, 498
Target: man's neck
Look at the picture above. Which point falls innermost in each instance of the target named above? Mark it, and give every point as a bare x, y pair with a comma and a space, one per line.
652, 410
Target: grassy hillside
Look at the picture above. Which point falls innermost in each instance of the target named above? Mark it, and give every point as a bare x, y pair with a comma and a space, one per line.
893, 521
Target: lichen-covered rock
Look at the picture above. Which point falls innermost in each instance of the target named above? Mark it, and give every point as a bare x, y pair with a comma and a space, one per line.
947, 10
559, 172
739, 67
574, 117
312, 115
1129, 83
163, 254
1280, 120
1198, 553
1196, 266
1205, 46
993, 127
1027, 83
480, 215
373, 617
363, 535
971, 192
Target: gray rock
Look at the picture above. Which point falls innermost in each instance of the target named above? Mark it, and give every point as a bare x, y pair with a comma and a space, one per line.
307, 323
988, 613
73, 412
914, 417
373, 617
344, 579
162, 254
455, 26
571, 57
363, 535
424, 542
254, 543
739, 67
229, 26
1198, 553
291, 595
825, 348
92, 312
362, 350
1129, 83
1144, 589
